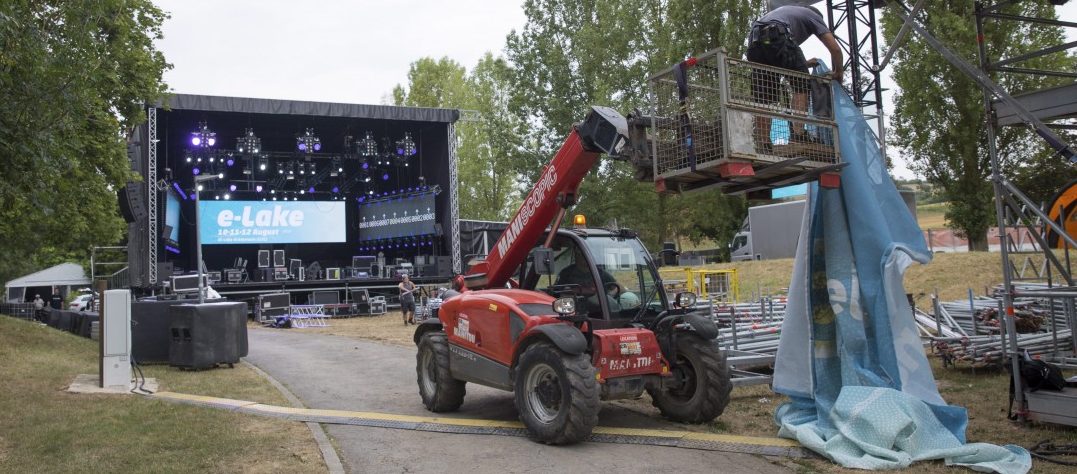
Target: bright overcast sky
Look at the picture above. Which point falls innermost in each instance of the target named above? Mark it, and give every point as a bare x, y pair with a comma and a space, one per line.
341, 51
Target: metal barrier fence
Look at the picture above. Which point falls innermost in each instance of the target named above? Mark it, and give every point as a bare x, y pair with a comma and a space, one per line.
18, 310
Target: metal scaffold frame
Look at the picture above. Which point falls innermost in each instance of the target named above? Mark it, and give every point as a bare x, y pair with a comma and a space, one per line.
151, 193
1009, 200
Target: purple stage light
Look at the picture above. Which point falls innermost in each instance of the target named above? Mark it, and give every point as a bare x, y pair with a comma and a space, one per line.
258, 188
196, 141
302, 146
230, 162
366, 165
232, 188
400, 151
211, 141
196, 171
362, 198
317, 146
385, 177
336, 189
311, 190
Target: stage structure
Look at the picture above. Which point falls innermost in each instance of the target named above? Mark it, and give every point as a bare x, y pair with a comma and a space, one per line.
337, 194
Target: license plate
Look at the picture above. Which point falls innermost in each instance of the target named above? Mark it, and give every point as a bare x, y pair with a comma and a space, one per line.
631, 348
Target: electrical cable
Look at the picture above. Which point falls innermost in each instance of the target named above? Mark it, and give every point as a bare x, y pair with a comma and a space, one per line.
1045, 449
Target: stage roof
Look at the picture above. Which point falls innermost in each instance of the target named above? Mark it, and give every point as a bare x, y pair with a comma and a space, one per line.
211, 103
64, 274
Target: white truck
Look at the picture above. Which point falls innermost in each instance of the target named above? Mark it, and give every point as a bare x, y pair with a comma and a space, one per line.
769, 231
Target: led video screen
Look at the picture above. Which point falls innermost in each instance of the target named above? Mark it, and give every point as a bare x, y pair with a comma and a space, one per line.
400, 217
272, 222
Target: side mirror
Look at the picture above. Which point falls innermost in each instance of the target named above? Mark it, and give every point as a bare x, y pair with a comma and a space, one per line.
543, 258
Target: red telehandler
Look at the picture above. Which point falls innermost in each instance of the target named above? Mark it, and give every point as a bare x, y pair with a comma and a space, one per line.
567, 317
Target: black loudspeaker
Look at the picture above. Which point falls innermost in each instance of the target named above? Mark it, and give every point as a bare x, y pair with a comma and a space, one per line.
204, 335
375, 271
263, 259
444, 266
149, 330
132, 201
278, 258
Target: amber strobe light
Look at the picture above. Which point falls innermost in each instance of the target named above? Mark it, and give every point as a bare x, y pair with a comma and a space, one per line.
579, 220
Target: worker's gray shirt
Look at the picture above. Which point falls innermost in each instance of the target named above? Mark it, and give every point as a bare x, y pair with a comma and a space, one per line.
802, 22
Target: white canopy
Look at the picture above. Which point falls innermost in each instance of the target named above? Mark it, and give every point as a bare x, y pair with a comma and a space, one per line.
64, 274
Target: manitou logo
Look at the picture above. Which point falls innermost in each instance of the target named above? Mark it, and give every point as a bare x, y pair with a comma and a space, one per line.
534, 200
278, 217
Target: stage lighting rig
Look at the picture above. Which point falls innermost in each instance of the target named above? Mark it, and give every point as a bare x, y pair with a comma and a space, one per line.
263, 162
406, 146
336, 169
203, 137
367, 147
308, 142
249, 143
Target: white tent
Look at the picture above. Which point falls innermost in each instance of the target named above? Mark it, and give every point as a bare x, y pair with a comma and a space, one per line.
63, 277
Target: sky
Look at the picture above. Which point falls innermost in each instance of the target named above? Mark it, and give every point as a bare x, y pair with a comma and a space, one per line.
350, 51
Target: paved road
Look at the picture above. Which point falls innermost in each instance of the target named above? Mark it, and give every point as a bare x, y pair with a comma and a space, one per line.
333, 372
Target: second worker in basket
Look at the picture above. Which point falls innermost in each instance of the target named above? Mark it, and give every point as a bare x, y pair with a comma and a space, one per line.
775, 41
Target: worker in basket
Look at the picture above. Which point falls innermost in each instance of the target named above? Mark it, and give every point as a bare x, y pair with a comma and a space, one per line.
775, 40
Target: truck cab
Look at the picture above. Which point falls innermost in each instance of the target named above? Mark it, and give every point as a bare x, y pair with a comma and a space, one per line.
610, 272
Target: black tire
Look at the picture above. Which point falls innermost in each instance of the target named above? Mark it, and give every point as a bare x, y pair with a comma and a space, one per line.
704, 393
437, 387
556, 395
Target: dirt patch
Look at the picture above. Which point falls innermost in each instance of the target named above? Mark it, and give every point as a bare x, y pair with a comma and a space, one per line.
388, 327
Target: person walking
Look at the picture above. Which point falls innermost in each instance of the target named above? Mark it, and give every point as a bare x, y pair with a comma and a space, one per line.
775, 40
407, 300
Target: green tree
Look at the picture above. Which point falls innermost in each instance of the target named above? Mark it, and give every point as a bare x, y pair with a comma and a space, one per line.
573, 54
74, 80
938, 117
487, 147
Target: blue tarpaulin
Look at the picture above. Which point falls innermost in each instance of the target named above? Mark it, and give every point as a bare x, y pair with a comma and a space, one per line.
850, 356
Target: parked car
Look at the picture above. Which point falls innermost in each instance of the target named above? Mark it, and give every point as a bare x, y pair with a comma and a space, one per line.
80, 303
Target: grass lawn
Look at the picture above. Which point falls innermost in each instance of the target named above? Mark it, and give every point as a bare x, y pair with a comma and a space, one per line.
951, 273
932, 216
45, 429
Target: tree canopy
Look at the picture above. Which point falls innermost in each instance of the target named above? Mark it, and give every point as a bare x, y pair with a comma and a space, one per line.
938, 117
74, 79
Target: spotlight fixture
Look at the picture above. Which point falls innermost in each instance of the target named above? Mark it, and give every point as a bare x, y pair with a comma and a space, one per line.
196, 171
291, 170
203, 137
367, 146
308, 142
263, 163
258, 188
232, 188
227, 196
249, 143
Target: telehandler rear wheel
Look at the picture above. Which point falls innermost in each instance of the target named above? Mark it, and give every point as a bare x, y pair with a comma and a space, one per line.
439, 390
556, 394
703, 390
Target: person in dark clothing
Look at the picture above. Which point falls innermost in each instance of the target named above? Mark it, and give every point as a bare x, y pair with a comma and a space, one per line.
407, 300
775, 40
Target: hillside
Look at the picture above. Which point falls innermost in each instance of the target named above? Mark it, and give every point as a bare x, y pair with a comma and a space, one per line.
952, 273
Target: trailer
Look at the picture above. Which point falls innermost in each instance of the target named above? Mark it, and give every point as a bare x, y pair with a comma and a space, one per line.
770, 231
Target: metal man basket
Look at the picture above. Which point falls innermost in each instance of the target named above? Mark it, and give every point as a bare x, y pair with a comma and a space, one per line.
741, 126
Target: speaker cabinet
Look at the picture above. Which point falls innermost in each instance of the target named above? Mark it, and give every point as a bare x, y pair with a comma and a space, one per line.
278, 258
204, 335
263, 259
